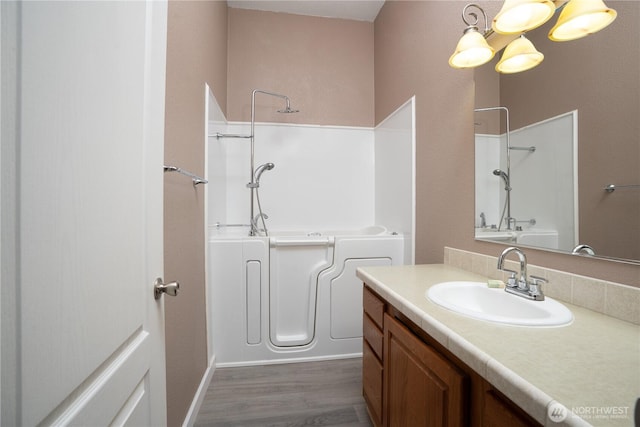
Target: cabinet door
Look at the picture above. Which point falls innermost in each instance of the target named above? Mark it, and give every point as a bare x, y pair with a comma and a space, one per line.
372, 384
500, 412
422, 388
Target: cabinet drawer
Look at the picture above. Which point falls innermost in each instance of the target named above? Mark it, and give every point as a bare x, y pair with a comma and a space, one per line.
372, 335
373, 306
372, 384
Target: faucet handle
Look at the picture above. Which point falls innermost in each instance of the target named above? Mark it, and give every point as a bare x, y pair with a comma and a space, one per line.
537, 280
535, 287
511, 281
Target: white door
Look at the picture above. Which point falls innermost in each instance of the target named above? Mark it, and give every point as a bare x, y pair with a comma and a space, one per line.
81, 209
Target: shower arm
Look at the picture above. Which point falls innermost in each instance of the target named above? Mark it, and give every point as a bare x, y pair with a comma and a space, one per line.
252, 184
253, 123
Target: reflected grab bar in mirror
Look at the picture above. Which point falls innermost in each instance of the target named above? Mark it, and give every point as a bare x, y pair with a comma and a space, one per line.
195, 178
612, 187
531, 149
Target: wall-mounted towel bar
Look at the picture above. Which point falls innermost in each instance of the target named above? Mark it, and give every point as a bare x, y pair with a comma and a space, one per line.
195, 178
612, 187
530, 149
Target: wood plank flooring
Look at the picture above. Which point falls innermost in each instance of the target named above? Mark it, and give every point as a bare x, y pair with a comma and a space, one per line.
326, 393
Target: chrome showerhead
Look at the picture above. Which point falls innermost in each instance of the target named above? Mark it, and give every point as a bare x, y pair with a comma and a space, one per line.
288, 109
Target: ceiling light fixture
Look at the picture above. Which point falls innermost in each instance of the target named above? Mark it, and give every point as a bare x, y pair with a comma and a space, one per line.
519, 55
472, 49
579, 18
518, 16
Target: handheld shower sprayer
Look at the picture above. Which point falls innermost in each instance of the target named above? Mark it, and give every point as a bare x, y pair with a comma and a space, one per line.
255, 179
505, 178
254, 185
260, 170
507, 202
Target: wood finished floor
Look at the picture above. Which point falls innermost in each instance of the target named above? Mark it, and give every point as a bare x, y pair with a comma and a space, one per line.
327, 393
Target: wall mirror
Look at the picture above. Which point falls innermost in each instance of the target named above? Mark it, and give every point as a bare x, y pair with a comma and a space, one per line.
574, 127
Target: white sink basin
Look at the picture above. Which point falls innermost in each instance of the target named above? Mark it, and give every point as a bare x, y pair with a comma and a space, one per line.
475, 299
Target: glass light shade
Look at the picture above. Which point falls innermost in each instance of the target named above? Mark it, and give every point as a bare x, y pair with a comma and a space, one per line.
519, 55
472, 50
580, 18
517, 16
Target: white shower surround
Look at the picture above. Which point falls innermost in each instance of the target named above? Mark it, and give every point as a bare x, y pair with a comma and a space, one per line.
325, 178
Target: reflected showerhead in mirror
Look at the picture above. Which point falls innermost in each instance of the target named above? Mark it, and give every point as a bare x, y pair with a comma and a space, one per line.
504, 176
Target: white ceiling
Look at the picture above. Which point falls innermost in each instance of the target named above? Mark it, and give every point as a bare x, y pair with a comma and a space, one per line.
361, 10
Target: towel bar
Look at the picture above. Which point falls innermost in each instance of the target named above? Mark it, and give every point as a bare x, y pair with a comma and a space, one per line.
612, 187
195, 178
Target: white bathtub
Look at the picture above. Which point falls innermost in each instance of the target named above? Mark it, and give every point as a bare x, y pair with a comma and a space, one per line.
292, 295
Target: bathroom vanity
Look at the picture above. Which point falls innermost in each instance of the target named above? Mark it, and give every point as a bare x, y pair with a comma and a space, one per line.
410, 379
426, 365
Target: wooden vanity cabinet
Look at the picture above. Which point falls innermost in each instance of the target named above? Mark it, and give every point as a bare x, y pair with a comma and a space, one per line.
409, 379
372, 369
499, 411
421, 388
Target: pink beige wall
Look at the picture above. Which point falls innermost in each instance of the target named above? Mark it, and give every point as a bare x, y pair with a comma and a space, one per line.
324, 65
196, 54
413, 41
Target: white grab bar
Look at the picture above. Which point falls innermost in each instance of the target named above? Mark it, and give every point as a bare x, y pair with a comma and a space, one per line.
284, 241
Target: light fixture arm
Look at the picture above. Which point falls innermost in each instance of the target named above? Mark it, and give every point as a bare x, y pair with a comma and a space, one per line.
474, 24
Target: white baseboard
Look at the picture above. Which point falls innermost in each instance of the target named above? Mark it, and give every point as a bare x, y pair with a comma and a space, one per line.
190, 419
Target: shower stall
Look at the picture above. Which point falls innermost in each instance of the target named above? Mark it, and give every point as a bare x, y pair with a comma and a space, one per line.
289, 292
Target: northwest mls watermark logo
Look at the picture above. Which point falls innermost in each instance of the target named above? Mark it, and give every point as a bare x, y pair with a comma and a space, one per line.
558, 413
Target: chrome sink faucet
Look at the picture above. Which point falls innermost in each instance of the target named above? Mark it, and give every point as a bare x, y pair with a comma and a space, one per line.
530, 288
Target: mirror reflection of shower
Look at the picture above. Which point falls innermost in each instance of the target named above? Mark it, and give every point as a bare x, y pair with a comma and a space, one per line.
255, 173
505, 175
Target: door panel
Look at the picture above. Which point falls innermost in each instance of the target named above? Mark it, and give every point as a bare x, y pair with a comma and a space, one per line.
88, 334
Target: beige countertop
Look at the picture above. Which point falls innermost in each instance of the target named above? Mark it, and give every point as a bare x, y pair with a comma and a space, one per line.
591, 366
